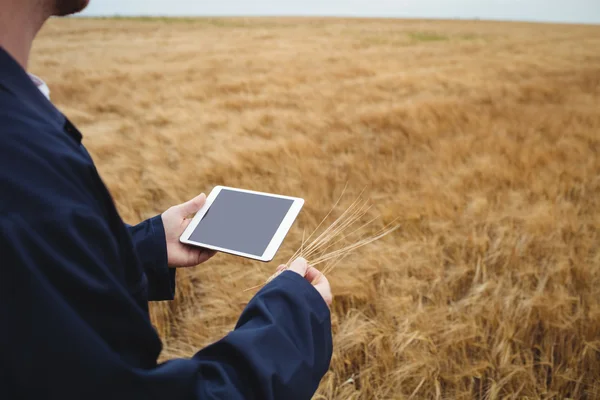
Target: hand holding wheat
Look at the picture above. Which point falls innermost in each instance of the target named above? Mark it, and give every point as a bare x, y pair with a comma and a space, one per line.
313, 275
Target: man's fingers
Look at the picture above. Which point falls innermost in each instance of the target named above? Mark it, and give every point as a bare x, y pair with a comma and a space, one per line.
205, 255
299, 266
280, 268
315, 277
192, 206
313, 274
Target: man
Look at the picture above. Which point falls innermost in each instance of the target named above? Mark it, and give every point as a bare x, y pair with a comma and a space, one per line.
75, 280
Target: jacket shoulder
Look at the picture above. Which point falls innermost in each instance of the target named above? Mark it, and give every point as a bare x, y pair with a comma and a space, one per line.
40, 165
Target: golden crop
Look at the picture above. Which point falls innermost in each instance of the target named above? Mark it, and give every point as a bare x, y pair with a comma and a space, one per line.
482, 138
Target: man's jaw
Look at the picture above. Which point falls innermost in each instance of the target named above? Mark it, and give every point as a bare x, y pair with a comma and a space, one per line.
67, 7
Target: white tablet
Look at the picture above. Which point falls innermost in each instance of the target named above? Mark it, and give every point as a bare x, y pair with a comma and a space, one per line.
243, 222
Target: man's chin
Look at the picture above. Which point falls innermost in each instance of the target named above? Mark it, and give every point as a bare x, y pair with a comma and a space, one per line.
68, 7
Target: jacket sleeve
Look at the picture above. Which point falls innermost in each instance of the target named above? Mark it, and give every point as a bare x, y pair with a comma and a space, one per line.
70, 330
151, 248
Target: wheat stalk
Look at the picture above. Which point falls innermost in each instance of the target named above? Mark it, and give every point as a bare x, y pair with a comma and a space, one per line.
326, 247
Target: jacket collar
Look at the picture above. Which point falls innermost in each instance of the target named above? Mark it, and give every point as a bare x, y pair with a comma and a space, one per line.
17, 82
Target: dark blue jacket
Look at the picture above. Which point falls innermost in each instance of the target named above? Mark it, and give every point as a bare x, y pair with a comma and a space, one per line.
75, 283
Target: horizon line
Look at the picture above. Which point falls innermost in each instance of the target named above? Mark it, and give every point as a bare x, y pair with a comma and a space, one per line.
325, 16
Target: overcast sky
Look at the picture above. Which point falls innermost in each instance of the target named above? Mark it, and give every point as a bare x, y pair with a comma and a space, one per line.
587, 11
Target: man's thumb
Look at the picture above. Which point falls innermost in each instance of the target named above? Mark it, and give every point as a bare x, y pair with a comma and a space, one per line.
299, 266
193, 206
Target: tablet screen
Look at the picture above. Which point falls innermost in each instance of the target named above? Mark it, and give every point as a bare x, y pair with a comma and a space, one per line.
243, 222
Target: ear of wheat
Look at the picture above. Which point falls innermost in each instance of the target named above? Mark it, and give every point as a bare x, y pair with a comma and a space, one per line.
344, 236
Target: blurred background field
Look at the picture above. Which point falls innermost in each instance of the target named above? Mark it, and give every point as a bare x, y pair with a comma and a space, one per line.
482, 138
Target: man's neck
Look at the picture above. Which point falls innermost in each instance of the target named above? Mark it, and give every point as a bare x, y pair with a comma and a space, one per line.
20, 21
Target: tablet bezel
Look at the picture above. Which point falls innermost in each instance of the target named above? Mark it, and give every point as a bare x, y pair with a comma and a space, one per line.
276, 240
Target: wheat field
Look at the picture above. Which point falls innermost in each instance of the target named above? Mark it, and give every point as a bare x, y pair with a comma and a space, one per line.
481, 138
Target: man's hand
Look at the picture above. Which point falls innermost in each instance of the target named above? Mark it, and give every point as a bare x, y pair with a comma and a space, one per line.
175, 221
314, 276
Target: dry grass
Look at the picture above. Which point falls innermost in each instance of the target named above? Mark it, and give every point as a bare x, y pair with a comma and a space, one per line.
481, 138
